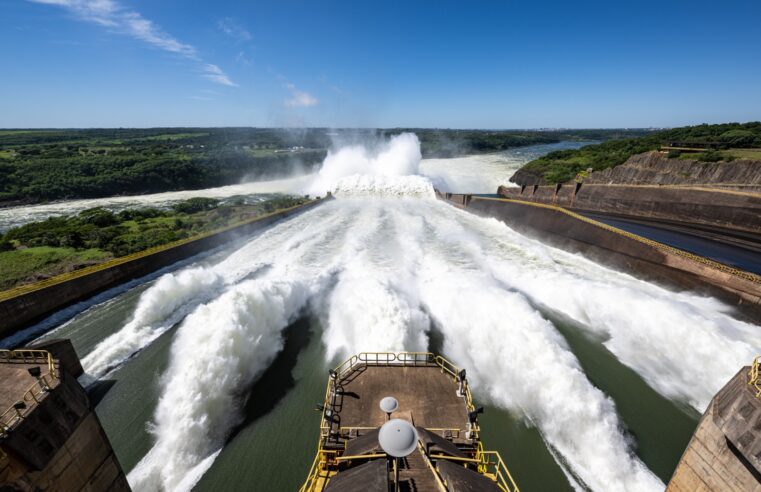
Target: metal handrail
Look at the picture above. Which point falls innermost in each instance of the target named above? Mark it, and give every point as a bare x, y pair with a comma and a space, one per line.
29, 356
36, 392
490, 463
754, 378
414, 359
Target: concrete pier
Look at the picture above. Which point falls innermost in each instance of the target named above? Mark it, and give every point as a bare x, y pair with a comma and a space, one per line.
50, 437
725, 451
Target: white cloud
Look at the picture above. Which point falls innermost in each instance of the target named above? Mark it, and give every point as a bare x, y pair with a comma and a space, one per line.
299, 98
113, 15
230, 27
215, 74
242, 58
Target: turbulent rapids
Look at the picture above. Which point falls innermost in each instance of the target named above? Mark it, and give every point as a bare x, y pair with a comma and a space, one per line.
384, 266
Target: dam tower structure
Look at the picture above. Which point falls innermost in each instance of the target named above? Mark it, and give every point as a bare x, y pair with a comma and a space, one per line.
50, 436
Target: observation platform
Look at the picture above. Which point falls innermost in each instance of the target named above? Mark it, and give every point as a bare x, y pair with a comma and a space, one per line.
20, 392
433, 395
427, 397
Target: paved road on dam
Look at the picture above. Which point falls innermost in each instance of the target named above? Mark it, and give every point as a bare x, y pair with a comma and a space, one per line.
739, 250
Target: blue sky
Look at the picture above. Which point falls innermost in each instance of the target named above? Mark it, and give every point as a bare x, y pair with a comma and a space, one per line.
458, 64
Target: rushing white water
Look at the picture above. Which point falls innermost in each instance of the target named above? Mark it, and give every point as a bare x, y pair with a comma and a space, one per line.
484, 173
384, 263
15, 216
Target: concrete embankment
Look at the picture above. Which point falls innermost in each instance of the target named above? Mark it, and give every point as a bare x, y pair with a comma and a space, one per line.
622, 250
29, 303
725, 451
655, 168
728, 209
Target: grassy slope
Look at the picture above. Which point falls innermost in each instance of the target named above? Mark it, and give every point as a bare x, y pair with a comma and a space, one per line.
29, 264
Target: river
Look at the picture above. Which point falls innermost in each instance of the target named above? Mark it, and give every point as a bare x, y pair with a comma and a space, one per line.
206, 377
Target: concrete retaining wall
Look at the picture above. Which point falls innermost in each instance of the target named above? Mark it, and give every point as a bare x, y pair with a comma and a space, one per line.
622, 250
30, 303
721, 208
725, 451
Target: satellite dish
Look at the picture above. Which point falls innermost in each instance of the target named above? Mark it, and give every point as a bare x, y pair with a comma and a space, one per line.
389, 404
398, 438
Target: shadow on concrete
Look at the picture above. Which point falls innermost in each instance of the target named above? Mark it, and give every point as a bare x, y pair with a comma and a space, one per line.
277, 380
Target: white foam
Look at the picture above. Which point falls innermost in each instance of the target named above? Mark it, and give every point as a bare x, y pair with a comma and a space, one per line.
218, 352
673, 340
161, 306
399, 156
362, 185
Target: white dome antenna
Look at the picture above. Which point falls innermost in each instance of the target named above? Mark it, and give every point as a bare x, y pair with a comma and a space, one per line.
398, 438
389, 405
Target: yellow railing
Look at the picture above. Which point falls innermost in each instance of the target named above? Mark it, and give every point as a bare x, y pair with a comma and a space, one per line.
752, 277
319, 474
36, 392
753, 375
414, 359
489, 463
29, 356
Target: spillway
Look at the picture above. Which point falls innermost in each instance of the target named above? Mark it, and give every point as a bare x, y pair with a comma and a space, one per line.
594, 379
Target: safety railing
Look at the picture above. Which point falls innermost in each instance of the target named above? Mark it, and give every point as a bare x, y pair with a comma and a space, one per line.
490, 463
29, 356
319, 472
405, 359
35, 394
753, 375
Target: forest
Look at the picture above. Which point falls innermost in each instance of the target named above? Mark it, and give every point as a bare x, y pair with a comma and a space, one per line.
47, 165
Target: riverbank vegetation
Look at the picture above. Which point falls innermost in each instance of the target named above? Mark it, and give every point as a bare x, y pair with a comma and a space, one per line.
57, 245
45, 165
723, 142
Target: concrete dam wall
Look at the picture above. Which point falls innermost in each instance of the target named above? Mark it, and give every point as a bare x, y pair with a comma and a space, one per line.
27, 304
727, 209
620, 249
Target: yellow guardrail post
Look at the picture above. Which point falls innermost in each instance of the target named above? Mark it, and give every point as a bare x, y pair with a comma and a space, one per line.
753, 375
